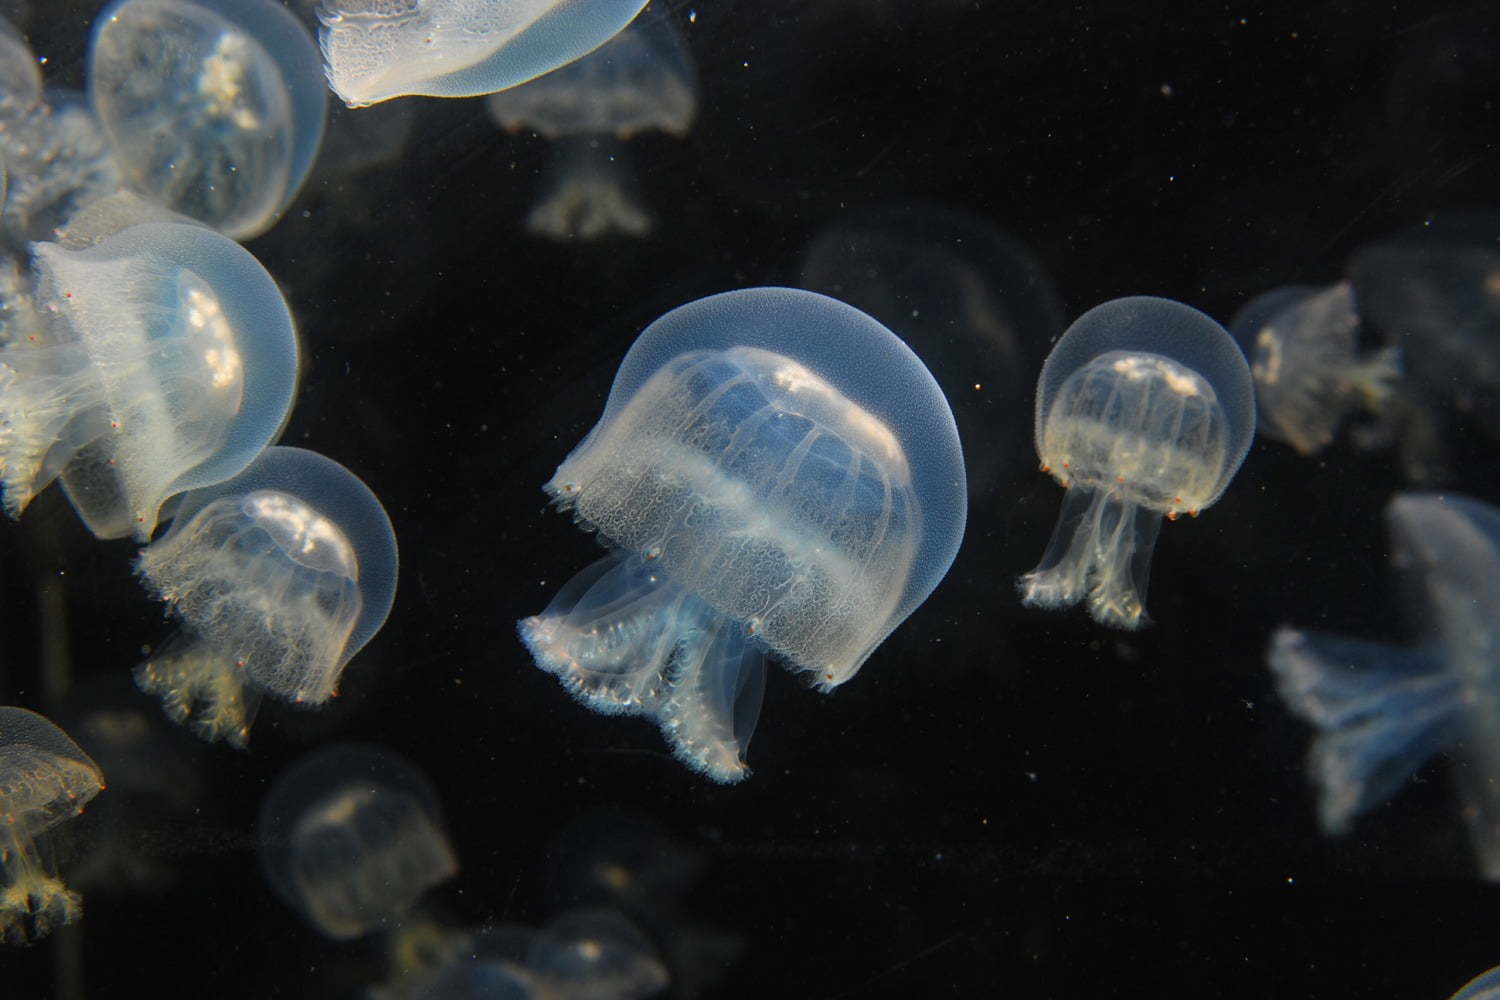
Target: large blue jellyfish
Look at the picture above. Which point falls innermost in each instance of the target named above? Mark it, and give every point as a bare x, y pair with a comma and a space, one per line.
374, 50
1144, 408
158, 359
279, 576
776, 473
1381, 711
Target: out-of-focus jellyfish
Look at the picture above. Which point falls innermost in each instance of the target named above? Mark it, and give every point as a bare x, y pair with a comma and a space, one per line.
1485, 986
45, 779
374, 50
350, 837
1309, 372
1144, 408
642, 80
57, 162
968, 298
776, 473
20, 75
1382, 710
599, 954
212, 107
164, 360
279, 576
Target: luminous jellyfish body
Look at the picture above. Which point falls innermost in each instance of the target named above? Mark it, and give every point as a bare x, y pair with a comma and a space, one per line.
776, 473
1382, 710
374, 50
597, 953
1485, 986
57, 161
1309, 372
641, 80
213, 107
45, 779
279, 576
350, 837
1144, 408
163, 360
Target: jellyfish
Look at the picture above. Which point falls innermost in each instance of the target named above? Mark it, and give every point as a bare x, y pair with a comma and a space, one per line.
57, 162
775, 474
1305, 359
20, 75
350, 837
1144, 408
1382, 710
374, 50
1485, 986
596, 953
641, 80
163, 360
45, 779
279, 576
213, 107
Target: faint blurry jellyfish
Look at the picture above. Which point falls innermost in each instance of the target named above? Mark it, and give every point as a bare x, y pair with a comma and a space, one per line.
777, 473
1382, 710
279, 575
57, 161
350, 837
165, 360
213, 107
1145, 407
44, 780
1485, 986
374, 50
641, 80
20, 75
599, 954
1309, 373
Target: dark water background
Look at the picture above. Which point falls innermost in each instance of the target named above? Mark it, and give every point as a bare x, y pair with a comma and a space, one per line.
1004, 802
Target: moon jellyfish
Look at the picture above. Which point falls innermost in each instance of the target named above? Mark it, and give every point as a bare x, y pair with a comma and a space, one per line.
1144, 408
164, 360
1304, 356
1382, 710
45, 779
350, 837
374, 50
20, 75
279, 576
1485, 986
212, 107
596, 953
776, 474
642, 80
57, 162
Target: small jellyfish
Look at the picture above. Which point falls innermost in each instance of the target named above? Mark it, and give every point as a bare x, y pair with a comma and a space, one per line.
596, 953
1144, 408
279, 576
45, 779
777, 474
1304, 356
164, 360
350, 837
212, 107
374, 50
1382, 710
642, 80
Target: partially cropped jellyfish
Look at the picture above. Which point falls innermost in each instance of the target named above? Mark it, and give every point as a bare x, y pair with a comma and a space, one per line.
279, 576
213, 107
596, 953
1485, 986
45, 779
1304, 355
163, 360
642, 80
350, 837
776, 474
1144, 408
374, 50
1382, 710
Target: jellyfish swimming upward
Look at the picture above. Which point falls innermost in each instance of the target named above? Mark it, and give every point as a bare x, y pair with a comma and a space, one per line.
1145, 409
279, 576
776, 474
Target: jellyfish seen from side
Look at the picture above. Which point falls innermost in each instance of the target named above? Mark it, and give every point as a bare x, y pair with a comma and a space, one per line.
163, 359
45, 779
1309, 373
1145, 408
642, 80
278, 576
374, 50
214, 108
775, 474
350, 837
1382, 710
